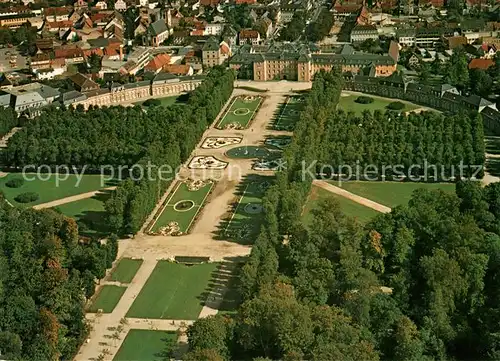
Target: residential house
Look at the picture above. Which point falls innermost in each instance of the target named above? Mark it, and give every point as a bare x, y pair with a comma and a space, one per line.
406, 37
57, 68
488, 51
266, 25
215, 53
36, 22
80, 4
57, 14
158, 32
249, 36
361, 33
179, 69
157, 63
289, 7
345, 12
120, 5
213, 29
454, 42
101, 5
173, 18
71, 54
58, 26
83, 84
210, 3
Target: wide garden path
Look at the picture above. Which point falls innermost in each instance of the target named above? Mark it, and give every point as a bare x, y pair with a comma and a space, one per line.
70, 199
4, 140
354, 197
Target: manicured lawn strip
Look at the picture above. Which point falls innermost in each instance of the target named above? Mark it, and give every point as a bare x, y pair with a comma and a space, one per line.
288, 114
107, 298
173, 291
391, 194
184, 218
348, 207
89, 213
347, 103
241, 219
48, 190
238, 102
125, 270
145, 345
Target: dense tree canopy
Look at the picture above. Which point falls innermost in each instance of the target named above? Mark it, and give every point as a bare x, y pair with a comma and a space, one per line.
45, 276
8, 120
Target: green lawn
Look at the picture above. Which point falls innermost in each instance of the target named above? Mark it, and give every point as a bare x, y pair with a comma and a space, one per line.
348, 207
289, 113
50, 188
107, 298
244, 223
166, 101
125, 270
173, 291
240, 112
347, 103
89, 213
146, 345
391, 194
184, 217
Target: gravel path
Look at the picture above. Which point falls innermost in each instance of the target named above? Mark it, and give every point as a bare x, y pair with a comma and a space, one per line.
70, 199
358, 199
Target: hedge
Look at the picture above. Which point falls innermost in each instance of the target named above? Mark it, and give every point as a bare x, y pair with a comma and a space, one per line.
27, 197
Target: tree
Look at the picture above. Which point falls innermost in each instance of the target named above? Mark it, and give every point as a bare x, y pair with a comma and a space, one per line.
212, 333
457, 70
480, 82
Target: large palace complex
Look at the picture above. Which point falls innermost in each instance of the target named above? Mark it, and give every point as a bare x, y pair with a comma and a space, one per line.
301, 64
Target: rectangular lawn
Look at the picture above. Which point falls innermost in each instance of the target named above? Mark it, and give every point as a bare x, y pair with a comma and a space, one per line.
240, 112
289, 113
107, 298
173, 291
125, 270
146, 345
247, 218
49, 188
391, 194
89, 213
184, 217
347, 206
347, 103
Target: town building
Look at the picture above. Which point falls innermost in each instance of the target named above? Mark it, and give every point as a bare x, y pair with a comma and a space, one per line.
83, 84
249, 36
158, 32
361, 33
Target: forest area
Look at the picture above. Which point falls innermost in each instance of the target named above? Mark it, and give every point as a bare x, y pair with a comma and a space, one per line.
46, 276
123, 136
419, 283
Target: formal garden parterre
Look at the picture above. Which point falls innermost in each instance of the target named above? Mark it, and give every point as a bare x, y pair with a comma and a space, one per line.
289, 112
240, 112
146, 345
179, 212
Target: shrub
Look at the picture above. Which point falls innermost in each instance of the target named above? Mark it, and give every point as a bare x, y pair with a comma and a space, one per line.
152, 102
396, 106
27, 197
364, 100
15, 183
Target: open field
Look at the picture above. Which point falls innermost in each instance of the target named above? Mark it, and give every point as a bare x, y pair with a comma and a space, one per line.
182, 207
288, 113
245, 221
241, 112
125, 270
347, 206
173, 291
51, 187
107, 298
390, 194
348, 104
146, 345
89, 213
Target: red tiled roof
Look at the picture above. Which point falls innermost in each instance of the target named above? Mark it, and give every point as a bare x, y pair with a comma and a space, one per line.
225, 49
57, 11
73, 52
249, 34
158, 62
482, 64
180, 69
209, 2
239, 2
197, 33
89, 52
59, 24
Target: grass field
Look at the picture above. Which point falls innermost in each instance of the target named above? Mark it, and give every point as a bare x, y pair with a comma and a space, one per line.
240, 112
146, 345
125, 270
391, 194
244, 223
173, 291
166, 101
89, 213
50, 187
348, 207
289, 113
182, 213
348, 104
107, 298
